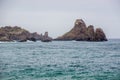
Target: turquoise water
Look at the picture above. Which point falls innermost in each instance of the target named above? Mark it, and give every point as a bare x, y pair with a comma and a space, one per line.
60, 60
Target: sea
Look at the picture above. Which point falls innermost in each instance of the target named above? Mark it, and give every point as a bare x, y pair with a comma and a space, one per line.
60, 60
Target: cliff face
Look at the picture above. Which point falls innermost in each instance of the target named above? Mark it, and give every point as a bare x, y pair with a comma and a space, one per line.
9, 33
81, 32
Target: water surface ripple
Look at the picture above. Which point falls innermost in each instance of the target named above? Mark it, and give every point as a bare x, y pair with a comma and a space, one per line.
60, 60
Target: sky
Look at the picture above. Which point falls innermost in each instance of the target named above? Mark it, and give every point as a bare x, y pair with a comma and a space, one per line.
58, 16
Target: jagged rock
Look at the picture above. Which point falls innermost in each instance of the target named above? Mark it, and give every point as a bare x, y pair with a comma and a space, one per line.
36, 36
46, 38
77, 32
90, 33
82, 33
16, 33
100, 35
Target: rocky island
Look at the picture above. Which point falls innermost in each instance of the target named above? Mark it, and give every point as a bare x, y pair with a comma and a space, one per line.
16, 33
80, 32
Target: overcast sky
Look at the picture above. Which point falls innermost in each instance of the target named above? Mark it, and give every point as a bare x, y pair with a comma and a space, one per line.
58, 16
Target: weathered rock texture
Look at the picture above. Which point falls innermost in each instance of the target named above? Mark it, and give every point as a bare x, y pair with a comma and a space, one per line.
15, 33
81, 32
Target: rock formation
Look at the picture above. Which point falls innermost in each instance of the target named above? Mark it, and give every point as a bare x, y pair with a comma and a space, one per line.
46, 38
16, 33
80, 32
90, 33
36, 36
9, 33
100, 35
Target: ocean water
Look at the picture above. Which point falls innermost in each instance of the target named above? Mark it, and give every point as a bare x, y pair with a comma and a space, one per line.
60, 60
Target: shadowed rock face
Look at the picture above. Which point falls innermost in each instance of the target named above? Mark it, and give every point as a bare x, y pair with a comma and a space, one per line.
90, 33
36, 36
82, 33
100, 35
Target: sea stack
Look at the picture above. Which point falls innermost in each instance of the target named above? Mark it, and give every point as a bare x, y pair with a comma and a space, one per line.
100, 35
80, 32
46, 38
90, 33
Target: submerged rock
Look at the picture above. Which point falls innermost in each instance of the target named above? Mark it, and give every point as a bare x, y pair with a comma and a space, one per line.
80, 32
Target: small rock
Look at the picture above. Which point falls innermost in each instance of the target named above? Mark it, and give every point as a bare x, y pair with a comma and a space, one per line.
46, 38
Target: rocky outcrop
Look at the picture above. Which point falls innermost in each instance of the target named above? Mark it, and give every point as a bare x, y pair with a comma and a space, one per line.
46, 38
16, 33
100, 35
90, 33
80, 32
9, 33
36, 36
77, 32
